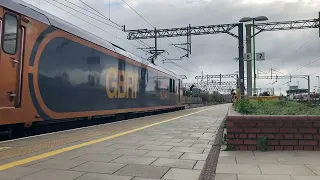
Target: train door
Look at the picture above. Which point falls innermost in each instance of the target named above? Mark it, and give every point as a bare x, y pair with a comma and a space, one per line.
179, 90
10, 61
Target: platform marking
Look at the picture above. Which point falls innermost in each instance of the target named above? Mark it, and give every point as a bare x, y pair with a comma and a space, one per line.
55, 152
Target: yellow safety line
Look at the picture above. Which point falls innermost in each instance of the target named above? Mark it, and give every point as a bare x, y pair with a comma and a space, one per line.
55, 152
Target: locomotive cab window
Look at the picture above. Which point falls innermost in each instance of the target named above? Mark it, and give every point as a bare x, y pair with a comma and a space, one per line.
10, 34
172, 85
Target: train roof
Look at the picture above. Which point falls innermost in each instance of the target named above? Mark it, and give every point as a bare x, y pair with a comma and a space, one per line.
47, 18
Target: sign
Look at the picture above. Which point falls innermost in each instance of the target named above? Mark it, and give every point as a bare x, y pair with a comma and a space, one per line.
247, 56
260, 56
293, 87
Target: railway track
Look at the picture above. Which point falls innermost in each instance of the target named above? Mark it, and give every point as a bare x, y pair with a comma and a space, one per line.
63, 125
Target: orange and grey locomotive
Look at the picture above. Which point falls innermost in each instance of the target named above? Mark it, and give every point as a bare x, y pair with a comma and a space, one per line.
51, 70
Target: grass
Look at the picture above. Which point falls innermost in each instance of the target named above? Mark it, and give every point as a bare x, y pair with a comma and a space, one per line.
275, 108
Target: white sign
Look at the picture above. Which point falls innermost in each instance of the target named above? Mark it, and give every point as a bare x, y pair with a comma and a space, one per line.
260, 56
247, 57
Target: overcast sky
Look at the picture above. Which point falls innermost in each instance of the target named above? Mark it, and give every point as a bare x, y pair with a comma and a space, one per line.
285, 51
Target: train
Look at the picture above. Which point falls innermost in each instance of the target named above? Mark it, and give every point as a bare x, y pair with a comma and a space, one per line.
53, 71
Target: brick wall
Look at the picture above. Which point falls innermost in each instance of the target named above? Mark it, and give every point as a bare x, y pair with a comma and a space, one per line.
283, 132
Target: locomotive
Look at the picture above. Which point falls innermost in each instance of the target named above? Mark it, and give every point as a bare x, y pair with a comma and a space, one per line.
51, 70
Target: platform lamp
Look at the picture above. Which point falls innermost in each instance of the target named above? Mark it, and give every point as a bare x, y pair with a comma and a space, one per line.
249, 19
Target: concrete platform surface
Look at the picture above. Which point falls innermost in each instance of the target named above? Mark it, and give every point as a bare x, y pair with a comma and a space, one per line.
172, 146
272, 165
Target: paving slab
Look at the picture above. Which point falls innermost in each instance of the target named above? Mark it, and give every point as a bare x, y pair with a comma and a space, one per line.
168, 140
182, 174
238, 169
207, 146
178, 163
263, 177
193, 156
52, 174
199, 165
195, 141
156, 147
305, 177
279, 169
256, 160
98, 157
187, 149
226, 177
300, 160
177, 144
17, 172
134, 152
143, 171
96, 176
143, 160
151, 142
237, 153
186, 137
140, 178
125, 145
98, 167
227, 160
57, 164
166, 154
315, 169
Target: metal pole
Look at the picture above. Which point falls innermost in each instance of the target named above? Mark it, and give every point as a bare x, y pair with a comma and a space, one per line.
202, 76
249, 63
189, 38
241, 64
155, 44
319, 23
254, 58
309, 89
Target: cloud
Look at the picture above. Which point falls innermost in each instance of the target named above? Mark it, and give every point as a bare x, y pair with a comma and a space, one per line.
285, 51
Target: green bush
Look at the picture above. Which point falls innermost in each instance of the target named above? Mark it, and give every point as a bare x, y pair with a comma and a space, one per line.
272, 107
244, 106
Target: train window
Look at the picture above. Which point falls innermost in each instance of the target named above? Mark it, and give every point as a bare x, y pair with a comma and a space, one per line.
174, 86
10, 34
170, 85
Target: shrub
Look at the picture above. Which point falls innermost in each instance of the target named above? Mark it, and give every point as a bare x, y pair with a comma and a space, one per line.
244, 106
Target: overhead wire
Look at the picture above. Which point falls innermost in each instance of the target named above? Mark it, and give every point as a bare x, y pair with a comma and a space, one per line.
99, 14
311, 62
83, 13
141, 42
92, 25
155, 32
104, 17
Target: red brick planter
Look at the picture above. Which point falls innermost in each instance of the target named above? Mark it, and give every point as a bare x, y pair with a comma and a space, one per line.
283, 132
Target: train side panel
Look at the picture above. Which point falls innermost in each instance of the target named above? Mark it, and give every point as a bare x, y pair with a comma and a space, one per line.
59, 75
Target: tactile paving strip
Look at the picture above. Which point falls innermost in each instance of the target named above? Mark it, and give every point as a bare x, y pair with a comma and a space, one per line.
209, 169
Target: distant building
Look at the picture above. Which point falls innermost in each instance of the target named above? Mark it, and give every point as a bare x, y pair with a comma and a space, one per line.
292, 92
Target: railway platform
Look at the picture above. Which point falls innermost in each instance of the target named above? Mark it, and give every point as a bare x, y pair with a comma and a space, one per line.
174, 146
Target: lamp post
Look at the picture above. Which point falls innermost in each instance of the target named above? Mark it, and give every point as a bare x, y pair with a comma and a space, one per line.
318, 81
249, 19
